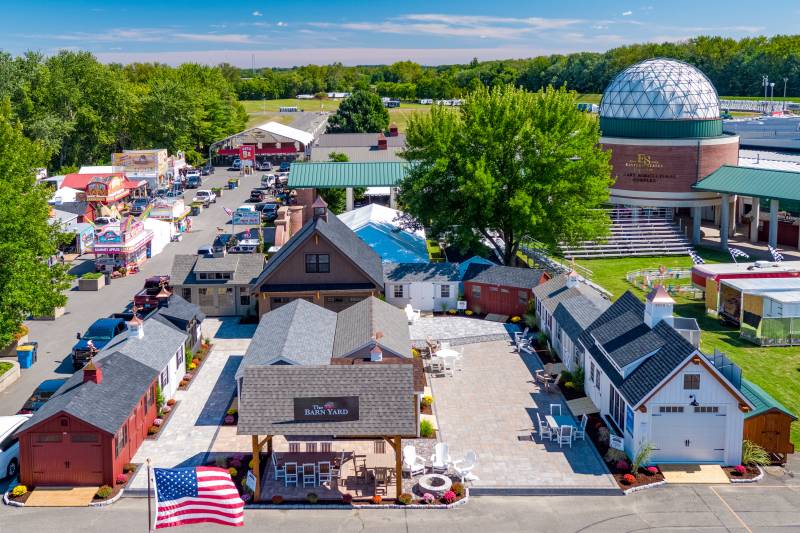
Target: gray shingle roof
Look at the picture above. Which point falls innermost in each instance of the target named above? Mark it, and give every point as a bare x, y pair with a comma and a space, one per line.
577, 314
155, 349
521, 278
300, 331
357, 154
410, 272
554, 291
106, 405
357, 325
385, 392
180, 312
341, 140
340, 236
671, 353
245, 268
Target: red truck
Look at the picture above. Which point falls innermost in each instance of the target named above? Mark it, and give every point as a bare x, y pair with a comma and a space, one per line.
147, 298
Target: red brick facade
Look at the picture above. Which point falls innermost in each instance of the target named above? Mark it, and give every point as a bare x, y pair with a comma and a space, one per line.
669, 167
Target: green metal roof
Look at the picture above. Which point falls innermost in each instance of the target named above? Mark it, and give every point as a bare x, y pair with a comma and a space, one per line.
659, 129
342, 175
762, 402
758, 182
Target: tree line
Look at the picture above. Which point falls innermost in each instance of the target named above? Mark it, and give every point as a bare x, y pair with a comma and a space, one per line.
734, 66
80, 110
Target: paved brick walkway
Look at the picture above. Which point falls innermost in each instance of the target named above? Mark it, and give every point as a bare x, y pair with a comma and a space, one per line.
458, 330
490, 407
191, 430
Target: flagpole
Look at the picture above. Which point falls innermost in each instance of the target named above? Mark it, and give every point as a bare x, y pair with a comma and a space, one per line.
149, 508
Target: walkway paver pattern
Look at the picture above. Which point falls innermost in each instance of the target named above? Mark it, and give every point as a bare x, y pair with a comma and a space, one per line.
490, 407
190, 433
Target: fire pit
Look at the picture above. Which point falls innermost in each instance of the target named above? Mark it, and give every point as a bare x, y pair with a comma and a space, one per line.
436, 484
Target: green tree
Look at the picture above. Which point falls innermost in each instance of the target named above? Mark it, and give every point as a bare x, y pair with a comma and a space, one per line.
510, 165
27, 238
362, 112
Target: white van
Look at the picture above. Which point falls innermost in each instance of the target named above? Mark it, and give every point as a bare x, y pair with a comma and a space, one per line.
9, 445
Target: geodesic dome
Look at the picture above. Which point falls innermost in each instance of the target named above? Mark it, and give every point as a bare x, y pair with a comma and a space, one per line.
660, 89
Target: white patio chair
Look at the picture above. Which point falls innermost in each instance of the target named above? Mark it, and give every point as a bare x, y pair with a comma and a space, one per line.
280, 473
436, 365
565, 435
464, 467
458, 362
448, 363
412, 314
544, 428
444, 346
440, 460
580, 431
555, 409
309, 474
290, 474
412, 463
324, 472
336, 470
540, 379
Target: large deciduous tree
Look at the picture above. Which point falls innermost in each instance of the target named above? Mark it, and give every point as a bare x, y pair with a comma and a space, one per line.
28, 286
361, 112
510, 165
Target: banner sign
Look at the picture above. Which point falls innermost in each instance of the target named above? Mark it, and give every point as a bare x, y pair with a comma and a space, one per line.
337, 409
142, 163
247, 218
461, 305
247, 153
617, 443
251, 481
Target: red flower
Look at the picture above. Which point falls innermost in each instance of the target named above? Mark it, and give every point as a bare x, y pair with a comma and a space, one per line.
629, 479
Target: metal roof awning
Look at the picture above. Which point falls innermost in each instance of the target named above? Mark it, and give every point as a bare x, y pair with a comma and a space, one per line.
756, 182
330, 175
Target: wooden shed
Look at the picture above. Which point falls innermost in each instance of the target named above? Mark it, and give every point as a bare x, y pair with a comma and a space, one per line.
769, 423
499, 289
91, 427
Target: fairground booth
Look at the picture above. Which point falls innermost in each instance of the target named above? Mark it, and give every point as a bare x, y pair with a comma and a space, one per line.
105, 193
151, 166
122, 245
174, 211
271, 141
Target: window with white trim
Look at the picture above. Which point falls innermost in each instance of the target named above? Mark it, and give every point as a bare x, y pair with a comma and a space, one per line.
691, 381
616, 407
398, 291
706, 409
670, 408
445, 291
591, 371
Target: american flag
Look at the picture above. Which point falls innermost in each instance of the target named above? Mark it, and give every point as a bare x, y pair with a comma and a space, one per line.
696, 259
735, 252
192, 495
228, 212
777, 256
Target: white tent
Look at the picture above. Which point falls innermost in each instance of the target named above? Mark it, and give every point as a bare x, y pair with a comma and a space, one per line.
64, 195
162, 234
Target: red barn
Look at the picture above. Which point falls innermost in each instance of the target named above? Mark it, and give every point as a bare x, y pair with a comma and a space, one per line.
500, 289
91, 427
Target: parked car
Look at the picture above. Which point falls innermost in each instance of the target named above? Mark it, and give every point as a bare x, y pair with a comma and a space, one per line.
285, 166
237, 164
146, 298
245, 246
205, 196
205, 251
207, 170
194, 182
269, 210
268, 180
105, 332
264, 165
9, 446
161, 193
43, 392
258, 195
193, 172
222, 243
140, 205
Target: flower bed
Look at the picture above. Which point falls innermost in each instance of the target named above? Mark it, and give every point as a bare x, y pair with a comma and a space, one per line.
237, 465
198, 359
160, 422
742, 473
18, 495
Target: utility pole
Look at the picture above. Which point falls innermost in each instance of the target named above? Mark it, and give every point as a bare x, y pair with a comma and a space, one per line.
785, 81
765, 83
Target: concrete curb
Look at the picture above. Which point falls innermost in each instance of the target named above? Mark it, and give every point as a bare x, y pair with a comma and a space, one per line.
756, 479
11, 503
109, 501
545, 491
341, 506
9, 377
644, 487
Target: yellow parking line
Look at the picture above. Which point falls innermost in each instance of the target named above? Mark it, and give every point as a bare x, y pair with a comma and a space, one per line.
739, 518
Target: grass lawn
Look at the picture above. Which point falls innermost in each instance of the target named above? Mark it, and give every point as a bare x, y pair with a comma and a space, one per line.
5, 367
304, 105
776, 370
260, 118
589, 98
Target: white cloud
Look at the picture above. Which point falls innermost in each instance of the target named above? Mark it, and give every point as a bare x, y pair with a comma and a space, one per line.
627, 13
154, 35
258, 14
281, 24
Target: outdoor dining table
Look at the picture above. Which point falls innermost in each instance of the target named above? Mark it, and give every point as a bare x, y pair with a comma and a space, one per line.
556, 421
447, 353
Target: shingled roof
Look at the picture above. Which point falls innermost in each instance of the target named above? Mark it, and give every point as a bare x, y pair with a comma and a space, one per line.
156, 347
521, 278
372, 321
179, 312
340, 236
385, 394
105, 405
245, 269
578, 313
413, 272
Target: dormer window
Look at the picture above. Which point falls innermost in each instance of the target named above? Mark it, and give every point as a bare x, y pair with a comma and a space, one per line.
691, 381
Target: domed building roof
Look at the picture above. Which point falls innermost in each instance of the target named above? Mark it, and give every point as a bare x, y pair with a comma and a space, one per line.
660, 89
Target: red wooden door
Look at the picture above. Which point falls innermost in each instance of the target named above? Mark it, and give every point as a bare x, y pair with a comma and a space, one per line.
86, 459
67, 459
50, 465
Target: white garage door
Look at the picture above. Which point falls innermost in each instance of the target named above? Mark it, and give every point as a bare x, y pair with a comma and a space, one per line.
686, 434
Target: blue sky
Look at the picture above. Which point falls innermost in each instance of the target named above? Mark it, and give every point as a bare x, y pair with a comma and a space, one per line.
290, 33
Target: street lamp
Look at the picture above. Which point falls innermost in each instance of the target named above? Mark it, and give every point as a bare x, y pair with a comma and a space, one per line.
765, 83
771, 90
785, 81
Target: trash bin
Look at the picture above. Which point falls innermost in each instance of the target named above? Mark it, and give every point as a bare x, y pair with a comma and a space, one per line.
231, 185
26, 354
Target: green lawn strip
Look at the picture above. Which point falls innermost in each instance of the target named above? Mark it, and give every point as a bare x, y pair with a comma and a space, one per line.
5, 367
775, 369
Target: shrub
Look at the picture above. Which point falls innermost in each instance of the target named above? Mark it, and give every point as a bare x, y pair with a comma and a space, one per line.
415, 353
740, 469
428, 498
221, 462
569, 385
468, 312
642, 456
191, 366
426, 401
405, 499
234, 462
312, 497
566, 375
623, 465
277, 499
449, 497
651, 470
92, 275
458, 488
753, 454
122, 479
152, 430
183, 383
104, 492
166, 409
451, 311
347, 499
128, 467
251, 464
232, 471
19, 490
426, 429
377, 499
515, 319
245, 497
159, 397
195, 361
171, 402
231, 411
629, 479
612, 455
188, 376
579, 378
158, 421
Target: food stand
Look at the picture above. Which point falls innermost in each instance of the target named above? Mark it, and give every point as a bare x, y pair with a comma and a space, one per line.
172, 210
122, 245
149, 165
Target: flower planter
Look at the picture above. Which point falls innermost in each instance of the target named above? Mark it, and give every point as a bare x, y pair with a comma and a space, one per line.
57, 312
91, 284
11, 349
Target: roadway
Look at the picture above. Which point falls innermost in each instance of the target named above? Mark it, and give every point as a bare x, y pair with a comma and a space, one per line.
84, 307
